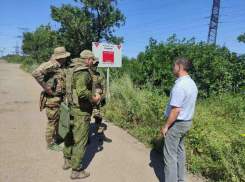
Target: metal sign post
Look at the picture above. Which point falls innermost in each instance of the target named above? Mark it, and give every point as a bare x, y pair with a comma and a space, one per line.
108, 82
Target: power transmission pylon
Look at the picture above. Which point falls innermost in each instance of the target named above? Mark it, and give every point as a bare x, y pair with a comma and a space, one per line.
2, 52
213, 26
17, 51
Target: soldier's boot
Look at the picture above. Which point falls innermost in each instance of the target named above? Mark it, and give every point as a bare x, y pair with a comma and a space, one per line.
79, 174
66, 164
102, 137
54, 147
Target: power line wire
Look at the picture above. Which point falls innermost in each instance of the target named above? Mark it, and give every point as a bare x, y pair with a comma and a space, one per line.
190, 33
182, 15
25, 22
159, 28
158, 7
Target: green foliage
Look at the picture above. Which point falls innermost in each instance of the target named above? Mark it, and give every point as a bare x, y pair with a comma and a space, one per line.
93, 22
216, 142
41, 43
241, 38
14, 58
216, 70
29, 65
134, 103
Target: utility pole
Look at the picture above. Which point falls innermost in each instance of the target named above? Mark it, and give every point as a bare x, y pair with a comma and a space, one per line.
17, 51
213, 26
2, 52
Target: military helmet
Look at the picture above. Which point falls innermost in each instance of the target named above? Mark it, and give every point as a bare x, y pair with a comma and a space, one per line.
60, 52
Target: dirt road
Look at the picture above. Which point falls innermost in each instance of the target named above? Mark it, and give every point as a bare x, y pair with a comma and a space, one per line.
23, 148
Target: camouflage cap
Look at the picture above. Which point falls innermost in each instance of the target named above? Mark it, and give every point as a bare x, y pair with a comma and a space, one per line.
88, 54
60, 52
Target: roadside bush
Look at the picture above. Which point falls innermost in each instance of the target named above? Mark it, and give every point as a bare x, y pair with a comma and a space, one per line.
14, 58
29, 65
216, 142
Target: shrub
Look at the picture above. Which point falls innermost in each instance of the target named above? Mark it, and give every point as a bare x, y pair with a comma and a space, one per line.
29, 65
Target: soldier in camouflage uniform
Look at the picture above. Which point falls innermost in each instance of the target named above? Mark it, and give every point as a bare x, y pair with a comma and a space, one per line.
50, 75
99, 86
81, 109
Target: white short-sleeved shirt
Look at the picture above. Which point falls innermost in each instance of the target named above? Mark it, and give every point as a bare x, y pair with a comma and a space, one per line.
183, 95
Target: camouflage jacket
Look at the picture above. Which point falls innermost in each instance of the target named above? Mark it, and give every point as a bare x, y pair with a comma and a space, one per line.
48, 72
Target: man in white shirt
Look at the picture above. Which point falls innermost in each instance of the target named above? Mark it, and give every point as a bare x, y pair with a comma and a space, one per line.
179, 113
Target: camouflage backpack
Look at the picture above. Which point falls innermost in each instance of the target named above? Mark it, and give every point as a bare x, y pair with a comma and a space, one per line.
71, 97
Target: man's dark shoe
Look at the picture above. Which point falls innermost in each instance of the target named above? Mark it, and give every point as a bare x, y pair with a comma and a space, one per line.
79, 174
102, 137
66, 164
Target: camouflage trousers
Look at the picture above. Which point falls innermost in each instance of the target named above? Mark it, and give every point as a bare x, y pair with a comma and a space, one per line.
53, 115
98, 120
76, 140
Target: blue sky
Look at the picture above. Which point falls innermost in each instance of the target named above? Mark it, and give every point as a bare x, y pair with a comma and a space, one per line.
159, 19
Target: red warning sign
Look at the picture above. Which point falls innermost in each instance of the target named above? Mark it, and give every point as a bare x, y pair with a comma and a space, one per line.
108, 57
